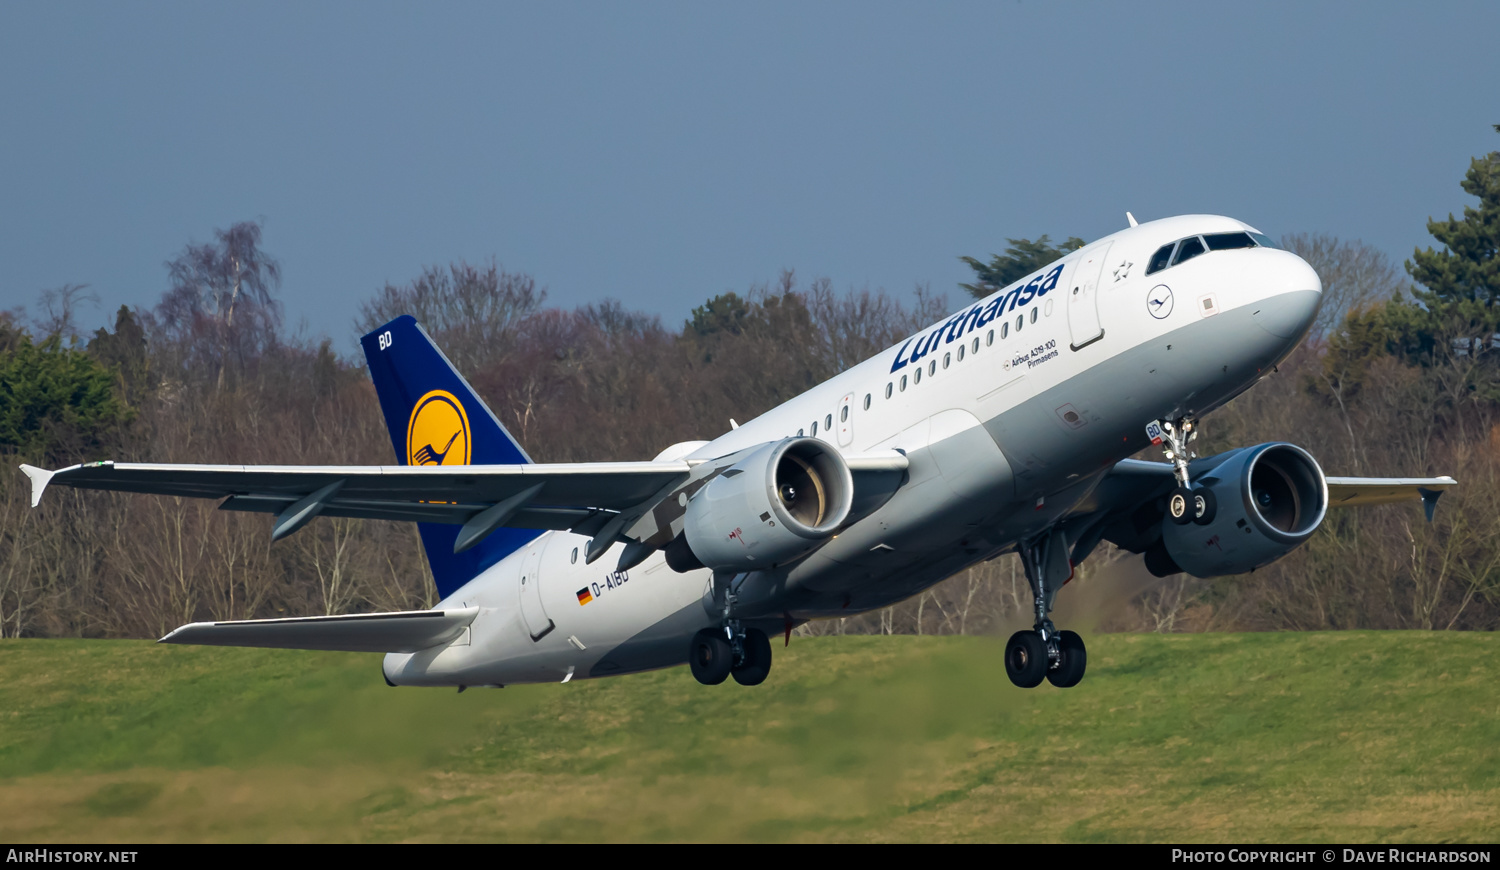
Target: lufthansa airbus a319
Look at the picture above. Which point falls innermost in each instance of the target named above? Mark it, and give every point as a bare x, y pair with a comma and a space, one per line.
1007, 427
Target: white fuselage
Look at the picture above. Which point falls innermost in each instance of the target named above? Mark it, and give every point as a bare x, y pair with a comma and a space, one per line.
1023, 400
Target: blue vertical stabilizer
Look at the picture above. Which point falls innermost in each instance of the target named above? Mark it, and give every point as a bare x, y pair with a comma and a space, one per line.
435, 418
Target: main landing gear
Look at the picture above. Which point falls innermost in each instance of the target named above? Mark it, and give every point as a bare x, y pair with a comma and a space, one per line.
1044, 652
730, 650
718, 653
1187, 503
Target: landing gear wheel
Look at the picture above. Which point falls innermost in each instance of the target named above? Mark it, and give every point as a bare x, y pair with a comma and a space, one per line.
1205, 506
757, 664
710, 657
1072, 662
1180, 506
1026, 659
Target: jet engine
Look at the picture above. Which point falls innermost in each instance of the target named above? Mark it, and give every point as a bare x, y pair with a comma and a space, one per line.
779, 503
1271, 498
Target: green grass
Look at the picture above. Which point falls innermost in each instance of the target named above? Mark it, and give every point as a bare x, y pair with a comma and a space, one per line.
1249, 737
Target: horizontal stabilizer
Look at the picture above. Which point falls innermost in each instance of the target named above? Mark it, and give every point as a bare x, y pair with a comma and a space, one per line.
407, 631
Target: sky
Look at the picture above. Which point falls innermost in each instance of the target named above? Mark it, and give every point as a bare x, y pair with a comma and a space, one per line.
662, 153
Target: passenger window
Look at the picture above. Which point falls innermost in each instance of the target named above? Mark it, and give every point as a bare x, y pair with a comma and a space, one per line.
916, 376
844, 411
1160, 259
1020, 322
1229, 241
815, 429
888, 391
1004, 329
903, 383
976, 343
867, 401
1187, 250
932, 367
828, 423
575, 555
989, 339
960, 353
947, 358
1033, 315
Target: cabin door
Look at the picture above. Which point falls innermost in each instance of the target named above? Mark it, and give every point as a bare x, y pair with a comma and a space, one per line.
1083, 297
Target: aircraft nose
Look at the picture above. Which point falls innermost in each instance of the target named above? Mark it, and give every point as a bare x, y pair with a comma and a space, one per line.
1293, 294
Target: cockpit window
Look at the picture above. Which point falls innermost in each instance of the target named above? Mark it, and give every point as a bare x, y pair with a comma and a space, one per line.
1160, 259
1187, 250
1229, 241
1190, 247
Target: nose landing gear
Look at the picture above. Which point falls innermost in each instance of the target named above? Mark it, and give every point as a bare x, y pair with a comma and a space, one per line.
1187, 503
1044, 653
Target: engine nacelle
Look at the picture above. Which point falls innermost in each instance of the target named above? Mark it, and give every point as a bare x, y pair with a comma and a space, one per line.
777, 504
1271, 498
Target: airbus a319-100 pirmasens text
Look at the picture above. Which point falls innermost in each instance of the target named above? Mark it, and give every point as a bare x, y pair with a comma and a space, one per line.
1005, 428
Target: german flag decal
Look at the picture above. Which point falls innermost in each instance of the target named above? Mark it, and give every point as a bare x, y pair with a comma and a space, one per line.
585, 596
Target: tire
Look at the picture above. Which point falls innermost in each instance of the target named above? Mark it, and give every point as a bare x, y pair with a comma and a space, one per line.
1071, 665
1026, 659
1180, 506
1205, 506
757, 664
710, 657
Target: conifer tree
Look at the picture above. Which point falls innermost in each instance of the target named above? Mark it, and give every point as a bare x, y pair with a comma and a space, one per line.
1023, 257
1468, 267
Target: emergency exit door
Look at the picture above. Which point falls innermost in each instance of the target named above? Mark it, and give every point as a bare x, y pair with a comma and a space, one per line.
538, 624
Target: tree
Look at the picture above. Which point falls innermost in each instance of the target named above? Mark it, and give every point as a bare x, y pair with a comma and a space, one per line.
724, 313
1355, 276
472, 312
1468, 267
212, 281
59, 309
1454, 320
126, 351
56, 402
219, 274
1023, 257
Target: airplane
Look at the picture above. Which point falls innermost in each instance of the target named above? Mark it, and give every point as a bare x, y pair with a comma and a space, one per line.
1007, 427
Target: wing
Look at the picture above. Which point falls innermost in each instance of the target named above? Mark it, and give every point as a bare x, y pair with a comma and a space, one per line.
1354, 491
1132, 482
597, 499
1121, 507
407, 631
578, 497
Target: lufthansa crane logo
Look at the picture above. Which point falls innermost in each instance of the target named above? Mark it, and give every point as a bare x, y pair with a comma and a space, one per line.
438, 431
1159, 301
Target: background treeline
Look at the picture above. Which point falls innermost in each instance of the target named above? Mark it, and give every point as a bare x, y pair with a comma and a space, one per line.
1395, 379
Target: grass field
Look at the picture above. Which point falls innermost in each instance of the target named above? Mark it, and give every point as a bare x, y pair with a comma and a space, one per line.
1247, 737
